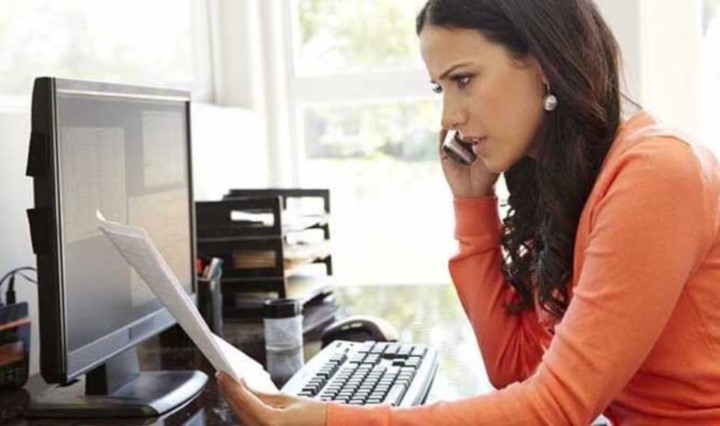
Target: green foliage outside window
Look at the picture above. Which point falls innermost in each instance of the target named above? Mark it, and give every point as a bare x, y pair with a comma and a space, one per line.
115, 41
404, 131
358, 34
344, 35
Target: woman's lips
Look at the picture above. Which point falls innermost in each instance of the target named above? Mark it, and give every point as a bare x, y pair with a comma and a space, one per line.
479, 143
469, 139
479, 146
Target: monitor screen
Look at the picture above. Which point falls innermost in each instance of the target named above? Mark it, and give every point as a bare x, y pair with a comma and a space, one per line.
123, 151
126, 157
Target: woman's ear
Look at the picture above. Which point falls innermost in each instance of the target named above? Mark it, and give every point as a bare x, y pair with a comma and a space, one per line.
543, 79
540, 72
532, 62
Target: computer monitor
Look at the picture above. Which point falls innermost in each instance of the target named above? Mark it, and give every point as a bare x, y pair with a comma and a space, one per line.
124, 151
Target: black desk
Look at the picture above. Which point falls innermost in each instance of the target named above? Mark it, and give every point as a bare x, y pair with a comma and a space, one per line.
423, 314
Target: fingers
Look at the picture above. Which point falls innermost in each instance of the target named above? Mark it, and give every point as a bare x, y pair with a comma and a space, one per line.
244, 417
238, 392
243, 402
265, 395
277, 400
442, 135
441, 138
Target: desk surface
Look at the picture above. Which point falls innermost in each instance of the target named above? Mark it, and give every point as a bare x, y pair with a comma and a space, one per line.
429, 314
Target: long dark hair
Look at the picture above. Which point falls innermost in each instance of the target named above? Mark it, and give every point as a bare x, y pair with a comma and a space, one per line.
580, 57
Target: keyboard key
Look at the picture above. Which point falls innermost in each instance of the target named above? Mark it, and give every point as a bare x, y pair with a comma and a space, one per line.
418, 351
413, 361
357, 358
339, 357
404, 351
379, 348
395, 395
366, 347
392, 349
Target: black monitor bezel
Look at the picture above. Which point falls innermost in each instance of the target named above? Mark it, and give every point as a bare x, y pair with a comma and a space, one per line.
57, 364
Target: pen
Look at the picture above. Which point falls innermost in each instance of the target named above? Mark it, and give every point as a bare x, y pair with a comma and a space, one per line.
214, 269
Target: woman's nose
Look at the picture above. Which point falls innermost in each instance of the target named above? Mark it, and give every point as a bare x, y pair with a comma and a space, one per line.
453, 115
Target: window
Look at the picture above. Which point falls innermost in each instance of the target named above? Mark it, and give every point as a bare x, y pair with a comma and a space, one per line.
710, 93
337, 36
366, 126
146, 42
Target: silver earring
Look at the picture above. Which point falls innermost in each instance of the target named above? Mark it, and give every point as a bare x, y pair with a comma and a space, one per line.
550, 102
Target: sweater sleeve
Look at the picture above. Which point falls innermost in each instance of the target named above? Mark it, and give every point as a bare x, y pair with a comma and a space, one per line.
511, 345
648, 233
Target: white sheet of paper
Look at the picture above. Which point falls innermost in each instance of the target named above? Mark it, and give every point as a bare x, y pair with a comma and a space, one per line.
138, 249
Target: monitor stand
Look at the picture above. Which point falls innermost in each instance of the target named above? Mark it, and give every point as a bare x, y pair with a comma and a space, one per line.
118, 389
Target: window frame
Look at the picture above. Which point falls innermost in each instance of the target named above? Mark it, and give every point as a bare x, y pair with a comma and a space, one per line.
287, 94
301, 91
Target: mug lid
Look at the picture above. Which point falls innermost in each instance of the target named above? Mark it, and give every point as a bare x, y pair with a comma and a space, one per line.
281, 308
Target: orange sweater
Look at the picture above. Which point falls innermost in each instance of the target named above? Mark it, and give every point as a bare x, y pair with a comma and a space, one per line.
640, 340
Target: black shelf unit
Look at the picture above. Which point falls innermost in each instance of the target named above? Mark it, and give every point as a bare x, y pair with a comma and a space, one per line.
257, 236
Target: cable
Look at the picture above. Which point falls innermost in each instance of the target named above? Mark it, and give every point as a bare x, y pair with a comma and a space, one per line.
28, 279
15, 271
10, 294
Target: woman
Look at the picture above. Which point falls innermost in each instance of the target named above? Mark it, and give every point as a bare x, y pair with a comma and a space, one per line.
600, 289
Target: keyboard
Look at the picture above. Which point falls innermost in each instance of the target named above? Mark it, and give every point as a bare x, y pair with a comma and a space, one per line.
366, 373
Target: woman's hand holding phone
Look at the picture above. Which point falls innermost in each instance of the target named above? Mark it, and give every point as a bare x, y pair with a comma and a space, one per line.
465, 180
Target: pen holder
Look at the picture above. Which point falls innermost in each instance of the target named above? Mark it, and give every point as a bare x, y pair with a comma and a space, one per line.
210, 304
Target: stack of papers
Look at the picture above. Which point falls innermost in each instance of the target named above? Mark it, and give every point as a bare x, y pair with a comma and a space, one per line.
136, 247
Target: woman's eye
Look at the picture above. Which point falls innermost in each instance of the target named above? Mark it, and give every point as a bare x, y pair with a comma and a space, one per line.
435, 87
462, 81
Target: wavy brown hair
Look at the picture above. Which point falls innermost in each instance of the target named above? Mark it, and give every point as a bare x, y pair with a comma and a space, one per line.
580, 57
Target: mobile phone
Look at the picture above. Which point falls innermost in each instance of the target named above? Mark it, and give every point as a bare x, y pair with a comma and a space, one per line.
457, 149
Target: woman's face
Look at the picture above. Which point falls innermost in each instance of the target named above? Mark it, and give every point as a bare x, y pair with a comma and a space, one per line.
493, 99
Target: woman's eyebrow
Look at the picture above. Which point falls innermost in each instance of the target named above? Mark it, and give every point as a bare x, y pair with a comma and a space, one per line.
452, 68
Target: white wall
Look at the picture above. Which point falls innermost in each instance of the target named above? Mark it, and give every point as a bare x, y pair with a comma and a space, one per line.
660, 43
228, 150
15, 198
623, 17
230, 131
670, 57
